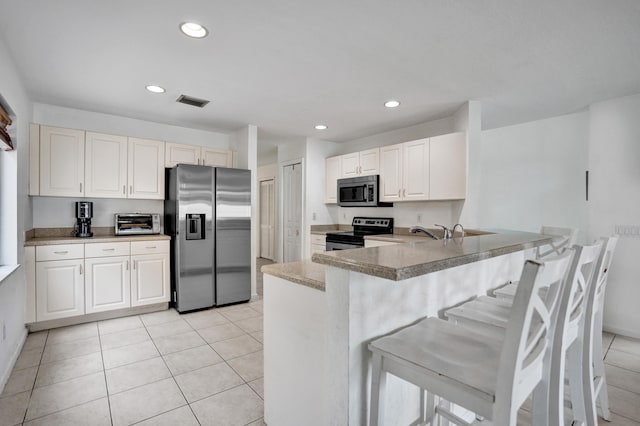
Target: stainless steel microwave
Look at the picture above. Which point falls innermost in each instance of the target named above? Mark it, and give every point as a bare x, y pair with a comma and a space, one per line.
361, 191
137, 223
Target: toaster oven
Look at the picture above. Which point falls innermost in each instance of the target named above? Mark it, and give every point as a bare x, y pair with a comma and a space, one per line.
137, 223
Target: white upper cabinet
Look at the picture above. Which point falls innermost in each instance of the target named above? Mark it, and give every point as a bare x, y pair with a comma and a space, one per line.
391, 173
105, 165
61, 162
332, 173
404, 171
370, 162
216, 157
448, 167
176, 153
361, 163
146, 169
415, 170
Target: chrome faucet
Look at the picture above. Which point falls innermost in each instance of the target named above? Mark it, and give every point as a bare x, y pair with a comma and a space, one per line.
447, 233
461, 229
415, 229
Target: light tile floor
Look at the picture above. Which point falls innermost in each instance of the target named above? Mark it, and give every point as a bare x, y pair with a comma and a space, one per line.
203, 368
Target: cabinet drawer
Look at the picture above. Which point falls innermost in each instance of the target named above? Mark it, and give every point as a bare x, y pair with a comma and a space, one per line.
106, 249
149, 247
59, 252
318, 239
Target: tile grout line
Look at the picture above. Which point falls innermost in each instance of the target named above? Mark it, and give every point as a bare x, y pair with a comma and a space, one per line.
104, 374
173, 376
33, 385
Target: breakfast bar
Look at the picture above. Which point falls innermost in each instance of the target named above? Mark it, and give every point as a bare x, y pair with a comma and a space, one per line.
319, 316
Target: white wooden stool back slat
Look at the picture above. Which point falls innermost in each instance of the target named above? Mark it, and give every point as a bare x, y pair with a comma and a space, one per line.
595, 395
567, 238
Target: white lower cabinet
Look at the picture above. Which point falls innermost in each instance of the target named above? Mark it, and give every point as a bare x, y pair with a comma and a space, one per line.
59, 289
107, 283
95, 277
149, 279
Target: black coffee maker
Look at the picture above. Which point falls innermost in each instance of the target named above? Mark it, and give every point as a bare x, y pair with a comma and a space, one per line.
84, 213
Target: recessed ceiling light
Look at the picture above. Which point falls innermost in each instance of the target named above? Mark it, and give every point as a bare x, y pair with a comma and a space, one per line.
391, 104
193, 30
155, 89
321, 127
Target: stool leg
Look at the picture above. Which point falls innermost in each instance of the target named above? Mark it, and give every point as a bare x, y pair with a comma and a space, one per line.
577, 387
378, 382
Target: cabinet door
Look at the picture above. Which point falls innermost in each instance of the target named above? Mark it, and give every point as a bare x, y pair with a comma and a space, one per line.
107, 283
350, 164
176, 153
217, 157
332, 173
391, 173
415, 174
105, 165
150, 279
146, 169
59, 289
448, 167
61, 162
370, 162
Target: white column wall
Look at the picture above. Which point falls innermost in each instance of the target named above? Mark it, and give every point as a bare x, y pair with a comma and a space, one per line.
614, 199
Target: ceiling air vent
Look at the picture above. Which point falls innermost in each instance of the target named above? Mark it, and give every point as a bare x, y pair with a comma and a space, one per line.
188, 100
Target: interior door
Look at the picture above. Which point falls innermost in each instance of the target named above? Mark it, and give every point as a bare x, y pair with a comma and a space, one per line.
267, 219
292, 185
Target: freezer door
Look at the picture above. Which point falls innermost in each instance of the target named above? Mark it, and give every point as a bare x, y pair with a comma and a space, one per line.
233, 235
195, 236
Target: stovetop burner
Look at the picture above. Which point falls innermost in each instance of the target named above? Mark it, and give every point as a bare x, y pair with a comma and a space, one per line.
363, 226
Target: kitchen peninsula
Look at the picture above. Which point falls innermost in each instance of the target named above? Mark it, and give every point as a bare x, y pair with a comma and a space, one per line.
319, 316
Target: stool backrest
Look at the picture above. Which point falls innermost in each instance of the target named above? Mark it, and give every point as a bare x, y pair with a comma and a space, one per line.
596, 293
573, 298
567, 237
526, 336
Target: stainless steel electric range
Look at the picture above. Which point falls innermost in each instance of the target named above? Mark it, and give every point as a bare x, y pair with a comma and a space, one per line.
362, 226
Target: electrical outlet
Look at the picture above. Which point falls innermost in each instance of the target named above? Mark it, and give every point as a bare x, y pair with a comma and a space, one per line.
419, 217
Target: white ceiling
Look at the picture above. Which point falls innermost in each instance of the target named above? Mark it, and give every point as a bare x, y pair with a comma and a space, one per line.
285, 65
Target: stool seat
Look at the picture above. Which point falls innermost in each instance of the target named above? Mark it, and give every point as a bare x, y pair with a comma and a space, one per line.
449, 351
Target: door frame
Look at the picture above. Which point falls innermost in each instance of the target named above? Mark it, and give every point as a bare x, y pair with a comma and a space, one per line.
275, 212
280, 204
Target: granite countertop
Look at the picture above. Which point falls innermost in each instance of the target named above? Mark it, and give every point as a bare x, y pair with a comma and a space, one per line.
324, 229
46, 241
304, 272
412, 259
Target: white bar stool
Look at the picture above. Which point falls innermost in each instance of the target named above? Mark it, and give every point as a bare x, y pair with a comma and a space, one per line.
487, 317
490, 376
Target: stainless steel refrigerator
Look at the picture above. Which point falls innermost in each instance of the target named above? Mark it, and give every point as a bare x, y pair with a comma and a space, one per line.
208, 216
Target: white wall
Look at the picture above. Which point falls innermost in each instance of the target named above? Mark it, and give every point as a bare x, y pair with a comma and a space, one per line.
55, 212
106, 123
15, 214
614, 199
533, 174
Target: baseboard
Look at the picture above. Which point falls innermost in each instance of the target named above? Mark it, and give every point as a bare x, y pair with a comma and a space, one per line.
625, 332
12, 361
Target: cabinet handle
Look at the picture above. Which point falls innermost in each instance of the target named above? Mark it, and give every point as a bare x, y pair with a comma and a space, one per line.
130, 189
61, 252
124, 189
80, 186
127, 265
151, 247
135, 264
404, 193
80, 269
399, 192
109, 249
